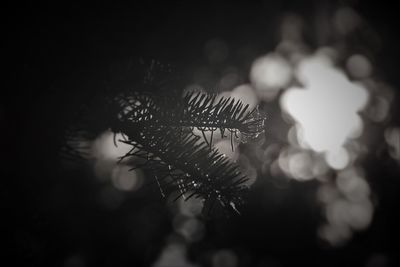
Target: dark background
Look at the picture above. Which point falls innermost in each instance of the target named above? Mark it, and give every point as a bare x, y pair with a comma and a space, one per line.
58, 54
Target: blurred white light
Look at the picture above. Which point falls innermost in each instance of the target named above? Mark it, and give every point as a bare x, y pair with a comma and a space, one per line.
328, 52
392, 138
335, 235
319, 168
224, 147
353, 186
246, 94
326, 109
106, 154
173, 255
360, 215
378, 109
300, 166
125, 179
359, 66
338, 159
283, 160
344, 213
268, 154
269, 74
337, 212
105, 149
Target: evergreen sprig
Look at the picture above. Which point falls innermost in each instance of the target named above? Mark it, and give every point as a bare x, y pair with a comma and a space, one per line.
185, 167
160, 130
206, 112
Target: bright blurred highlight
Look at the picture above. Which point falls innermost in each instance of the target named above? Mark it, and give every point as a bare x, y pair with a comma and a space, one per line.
326, 108
269, 74
105, 149
125, 179
246, 94
359, 66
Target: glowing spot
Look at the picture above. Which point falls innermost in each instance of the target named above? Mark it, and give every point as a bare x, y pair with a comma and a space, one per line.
335, 235
344, 213
300, 166
283, 160
359, 66
246, 94
328, 52
353, 186
360, 215
378, 109
105, 149
337, 212
338, 159
326, 110
125, 179
224, 147
269, 74
392, 138
173, 255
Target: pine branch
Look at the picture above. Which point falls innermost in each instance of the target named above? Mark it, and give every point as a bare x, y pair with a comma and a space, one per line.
184, 167
195, 110
161, 132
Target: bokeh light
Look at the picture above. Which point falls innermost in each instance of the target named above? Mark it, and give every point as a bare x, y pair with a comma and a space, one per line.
327, 108
392, 138
126, 179
246, 94
269, 74
174, 254
359, 66
104, 147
